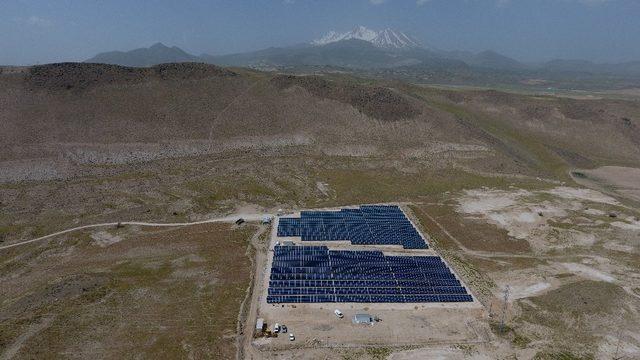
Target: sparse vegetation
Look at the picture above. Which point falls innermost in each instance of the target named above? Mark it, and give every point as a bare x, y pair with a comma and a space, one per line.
378, 353
506, 331
179, 143
137, 301
562, 355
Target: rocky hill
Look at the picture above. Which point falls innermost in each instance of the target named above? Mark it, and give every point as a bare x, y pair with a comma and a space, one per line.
61, 116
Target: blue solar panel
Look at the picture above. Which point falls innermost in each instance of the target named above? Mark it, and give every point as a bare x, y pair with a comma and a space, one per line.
311, 274
367, 225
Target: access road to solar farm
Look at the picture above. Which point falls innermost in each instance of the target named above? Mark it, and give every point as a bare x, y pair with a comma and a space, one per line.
399, 321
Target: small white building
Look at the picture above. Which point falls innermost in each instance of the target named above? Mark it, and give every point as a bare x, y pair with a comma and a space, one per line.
260, 324
363, 319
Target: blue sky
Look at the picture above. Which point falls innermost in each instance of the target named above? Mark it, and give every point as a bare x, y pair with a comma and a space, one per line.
40, 31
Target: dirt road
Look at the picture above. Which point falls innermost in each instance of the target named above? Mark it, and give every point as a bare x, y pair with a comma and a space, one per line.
229, 218
245, 349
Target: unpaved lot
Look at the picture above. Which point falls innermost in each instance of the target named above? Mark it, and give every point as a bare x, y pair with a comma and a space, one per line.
558, 218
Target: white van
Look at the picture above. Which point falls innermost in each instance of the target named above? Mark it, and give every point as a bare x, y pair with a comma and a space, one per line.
276, 328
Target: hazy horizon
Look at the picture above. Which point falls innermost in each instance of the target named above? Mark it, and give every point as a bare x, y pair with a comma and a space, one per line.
38, 31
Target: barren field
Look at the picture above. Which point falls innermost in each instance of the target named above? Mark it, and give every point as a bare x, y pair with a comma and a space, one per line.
623, 181
126, 293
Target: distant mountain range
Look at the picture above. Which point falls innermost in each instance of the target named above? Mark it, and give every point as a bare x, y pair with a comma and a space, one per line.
392, 53
154, 55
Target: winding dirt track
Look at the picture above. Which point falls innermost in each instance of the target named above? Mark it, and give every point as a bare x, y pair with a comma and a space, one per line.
230, 218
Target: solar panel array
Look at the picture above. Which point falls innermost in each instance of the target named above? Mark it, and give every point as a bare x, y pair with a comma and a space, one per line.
367, 225
315, 274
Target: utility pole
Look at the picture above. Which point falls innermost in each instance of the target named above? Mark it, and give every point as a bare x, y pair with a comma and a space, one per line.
616, 357
504, 309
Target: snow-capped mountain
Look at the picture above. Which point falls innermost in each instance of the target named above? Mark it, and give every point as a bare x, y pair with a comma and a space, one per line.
359, 33
387, 38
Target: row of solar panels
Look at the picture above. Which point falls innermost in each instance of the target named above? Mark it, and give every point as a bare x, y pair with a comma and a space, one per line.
368, 298
351, 229
296, 253
351, 222
312, 261
366, 260
430, 290
399, 276
364, 271
323, 251
345, 268
359, 258
346, 263
363, 209
363, 283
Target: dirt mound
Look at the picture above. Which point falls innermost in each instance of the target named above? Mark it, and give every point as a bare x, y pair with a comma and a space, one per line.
378, 102
78, 76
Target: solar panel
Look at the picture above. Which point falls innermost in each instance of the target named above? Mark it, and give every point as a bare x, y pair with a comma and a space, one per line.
312, 274
367, 225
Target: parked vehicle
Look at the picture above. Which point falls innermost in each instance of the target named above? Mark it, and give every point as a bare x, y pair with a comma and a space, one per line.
283, 328
339, 313
276, 328
291, 337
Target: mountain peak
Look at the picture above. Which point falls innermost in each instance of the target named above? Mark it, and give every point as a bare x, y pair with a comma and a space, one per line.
387, 38
358, 33
363, 33
158, 45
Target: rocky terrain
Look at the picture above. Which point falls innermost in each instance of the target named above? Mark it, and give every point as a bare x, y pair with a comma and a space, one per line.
62, 116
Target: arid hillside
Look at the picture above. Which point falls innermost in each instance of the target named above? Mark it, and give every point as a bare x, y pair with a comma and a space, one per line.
62, 116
